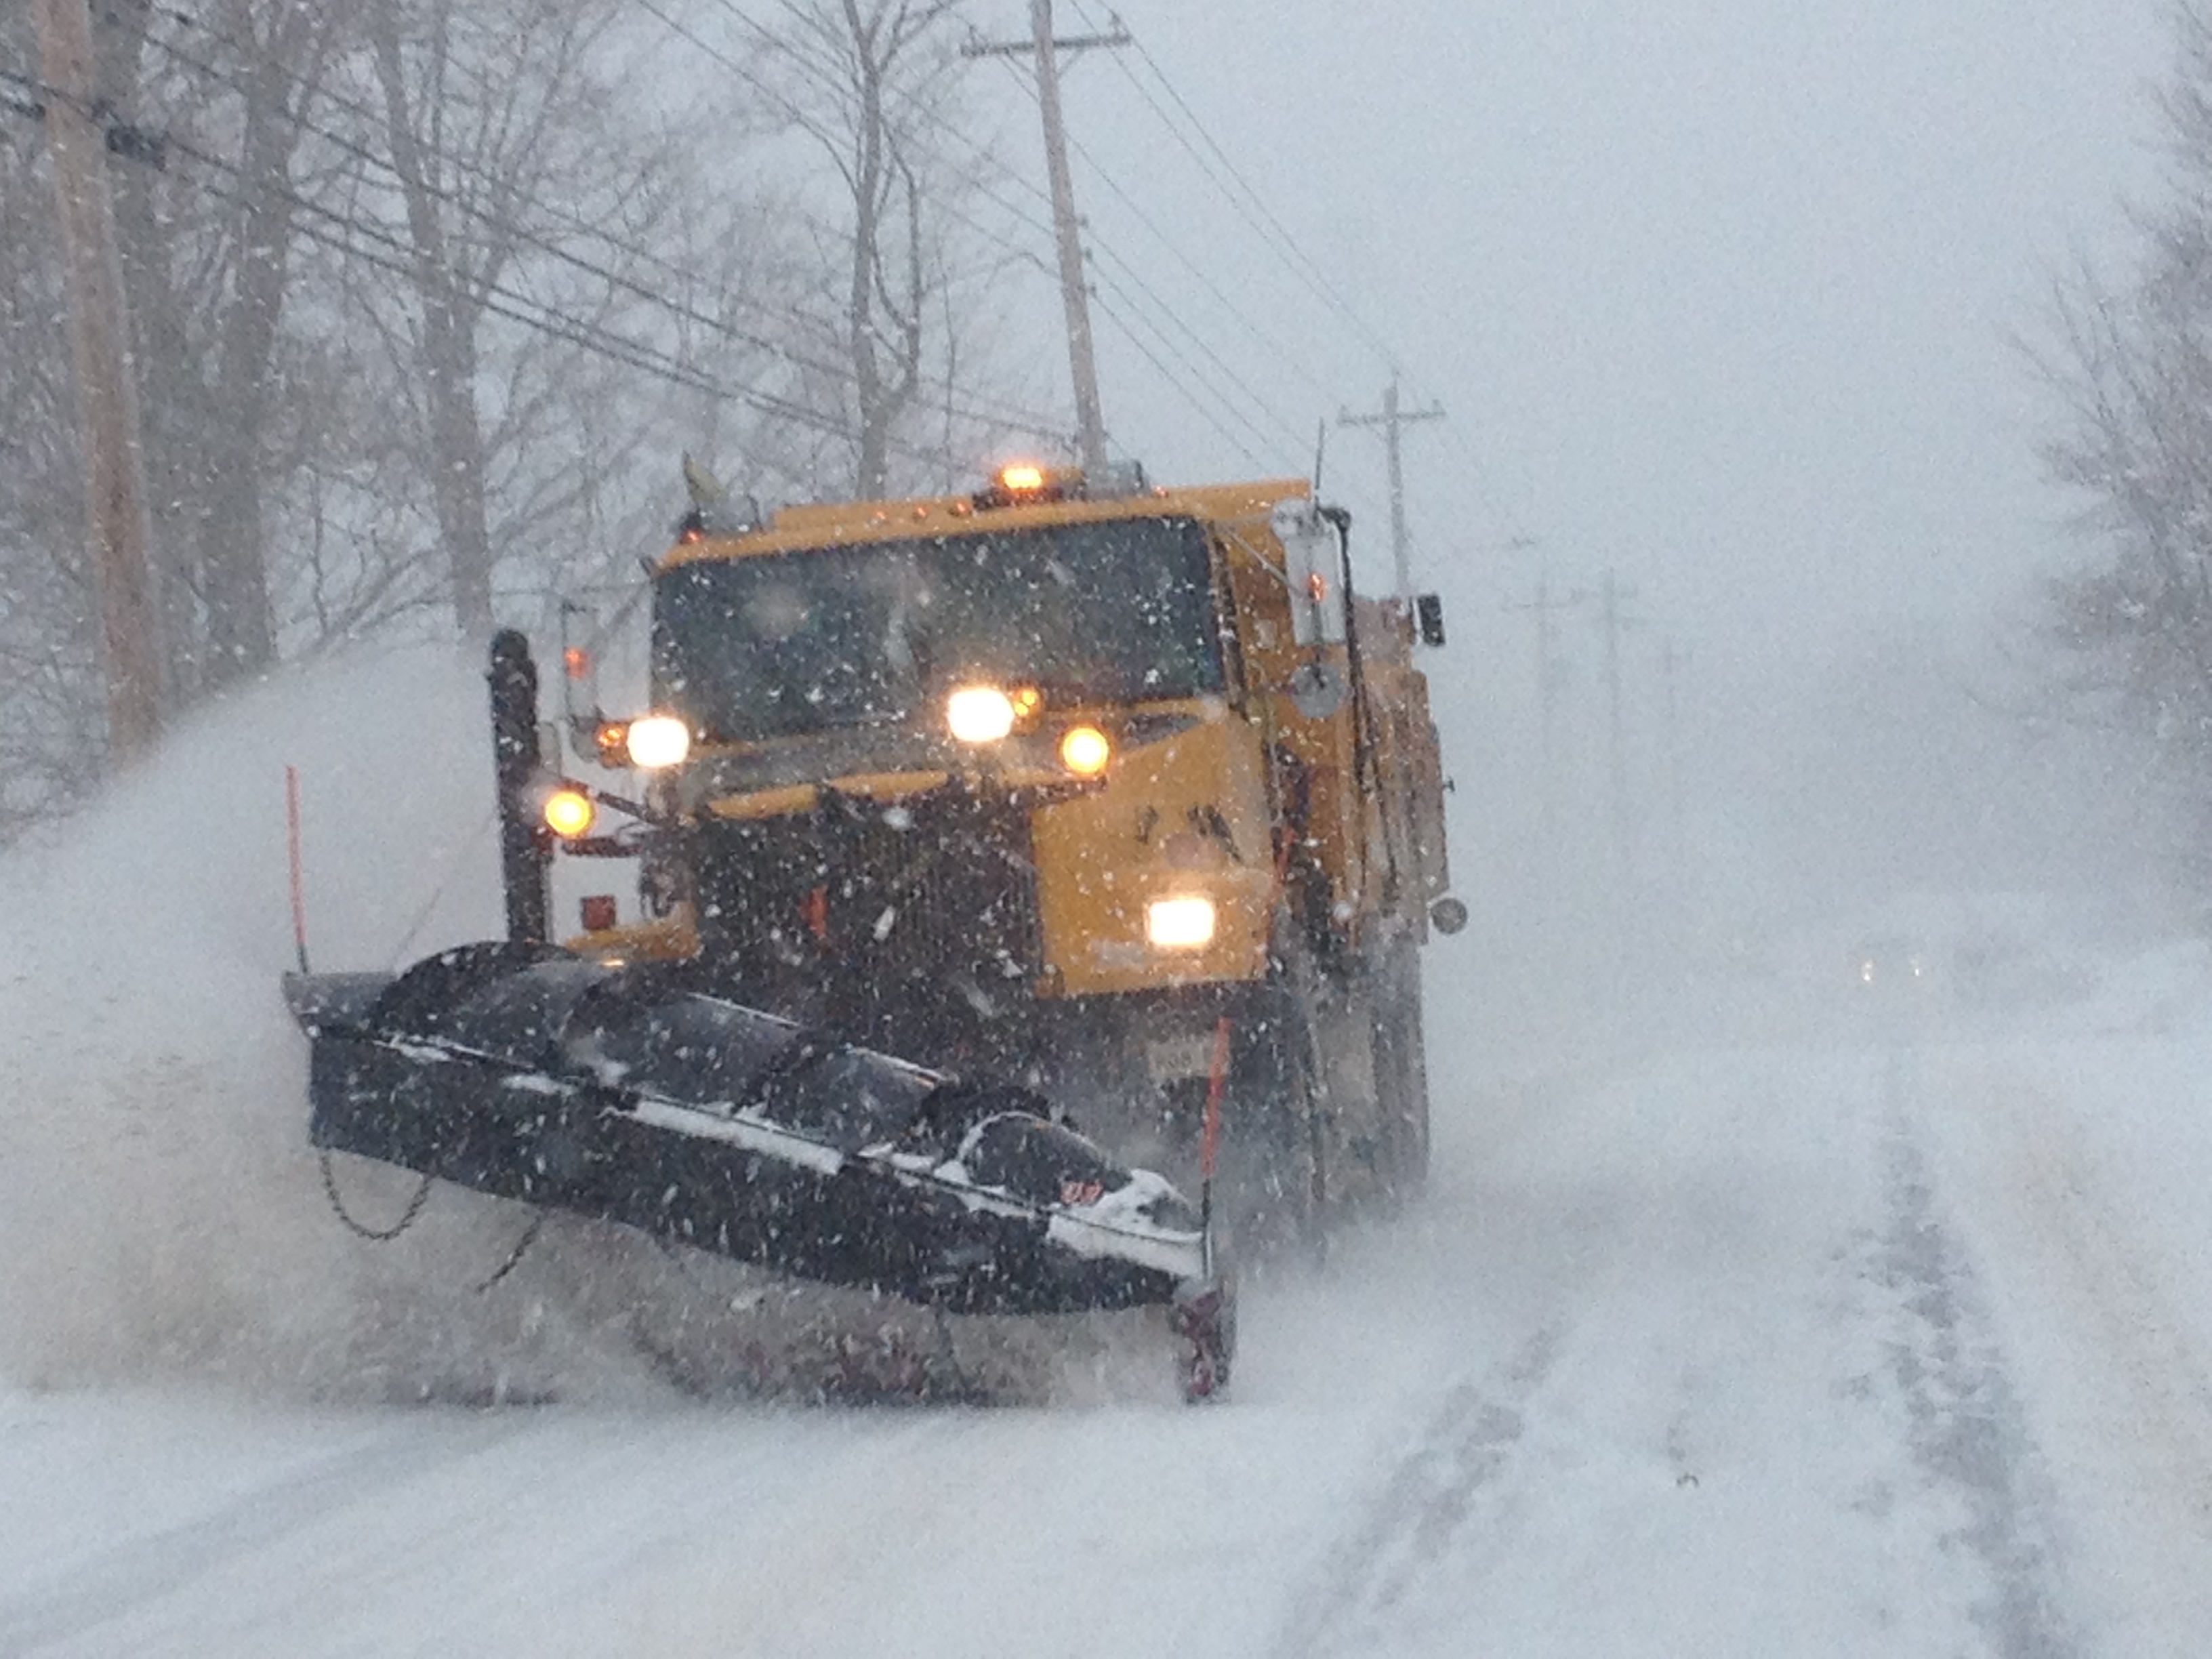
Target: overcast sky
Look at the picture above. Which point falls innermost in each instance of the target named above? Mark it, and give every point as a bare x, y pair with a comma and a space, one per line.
1716, 291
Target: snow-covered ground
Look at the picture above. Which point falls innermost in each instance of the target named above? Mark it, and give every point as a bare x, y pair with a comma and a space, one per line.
1822, 1324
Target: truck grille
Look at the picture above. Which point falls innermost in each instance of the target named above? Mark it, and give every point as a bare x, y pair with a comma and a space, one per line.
910, 926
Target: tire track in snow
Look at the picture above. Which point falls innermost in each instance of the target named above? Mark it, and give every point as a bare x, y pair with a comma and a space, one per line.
1468, 1441
143, 1570
1969, 1433
2165, 1390
2126, 1382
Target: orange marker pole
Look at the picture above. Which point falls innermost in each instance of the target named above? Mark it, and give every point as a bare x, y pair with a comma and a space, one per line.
292, 848
1209, 1138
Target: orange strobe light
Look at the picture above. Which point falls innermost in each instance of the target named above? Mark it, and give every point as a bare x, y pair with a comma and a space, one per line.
1084, 750
569, 812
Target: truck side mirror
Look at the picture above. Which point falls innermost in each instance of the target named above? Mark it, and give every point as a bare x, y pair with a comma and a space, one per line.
580, 671
1430, 609
1313, 566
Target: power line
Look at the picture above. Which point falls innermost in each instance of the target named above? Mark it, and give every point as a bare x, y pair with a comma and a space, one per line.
1281, 435
1181, 386
1018, 214
1190, 383
1243, 196
1103, 250
503, 301
975, 152
1015, 419
1180, 382
1249, 409
1099, 247
1248, 202
1007, 418
1136, 277
1205, 276
1251, 205
1148, 304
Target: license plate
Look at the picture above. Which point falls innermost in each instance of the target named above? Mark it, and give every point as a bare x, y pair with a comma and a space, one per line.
1168, 1058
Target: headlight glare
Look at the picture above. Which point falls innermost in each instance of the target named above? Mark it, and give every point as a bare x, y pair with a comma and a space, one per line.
659, 741
979, 714
1183, 923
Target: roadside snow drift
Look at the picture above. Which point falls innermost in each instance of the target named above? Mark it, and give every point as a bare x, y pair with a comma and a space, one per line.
160, 1208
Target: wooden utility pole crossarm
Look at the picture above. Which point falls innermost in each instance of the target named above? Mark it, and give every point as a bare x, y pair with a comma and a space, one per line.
106, 390
1392, 420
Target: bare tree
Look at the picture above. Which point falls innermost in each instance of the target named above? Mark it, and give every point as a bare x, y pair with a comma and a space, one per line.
2132, 365
52, 701
213, 240
869, 80
429, 295
286, 50
491, 112
452, 271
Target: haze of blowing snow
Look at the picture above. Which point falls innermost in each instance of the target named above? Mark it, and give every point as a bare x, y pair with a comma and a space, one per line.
1855, 1310
160, 1211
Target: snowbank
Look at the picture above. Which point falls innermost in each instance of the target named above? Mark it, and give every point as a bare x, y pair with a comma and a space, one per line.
160, 1209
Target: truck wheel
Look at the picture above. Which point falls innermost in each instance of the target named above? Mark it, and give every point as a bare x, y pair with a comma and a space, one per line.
1274, 1177
1401, 1068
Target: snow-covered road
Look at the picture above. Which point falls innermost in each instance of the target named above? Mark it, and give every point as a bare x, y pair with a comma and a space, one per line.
1815, 1327
1744, 1352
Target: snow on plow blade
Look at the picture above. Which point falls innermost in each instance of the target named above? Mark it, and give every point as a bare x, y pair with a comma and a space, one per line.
623, 1094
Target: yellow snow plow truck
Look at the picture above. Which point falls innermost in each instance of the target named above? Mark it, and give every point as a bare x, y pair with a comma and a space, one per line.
1010, 865
1114, 789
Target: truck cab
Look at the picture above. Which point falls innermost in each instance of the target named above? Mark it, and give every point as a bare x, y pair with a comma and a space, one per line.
1116, 789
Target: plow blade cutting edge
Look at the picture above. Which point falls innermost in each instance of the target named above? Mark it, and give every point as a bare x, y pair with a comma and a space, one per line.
625, 1095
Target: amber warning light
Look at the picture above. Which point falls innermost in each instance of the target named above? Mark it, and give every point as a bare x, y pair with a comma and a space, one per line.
569, 812
1086, 750
1021, 478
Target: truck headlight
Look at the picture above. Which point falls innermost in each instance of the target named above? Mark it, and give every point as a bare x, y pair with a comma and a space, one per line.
1181, 923
659, 741
979, 714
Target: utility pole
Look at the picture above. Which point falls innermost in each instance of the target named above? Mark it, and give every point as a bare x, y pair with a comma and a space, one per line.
1074, 295
106, 390
1611, 594
1391, 420
1670, 660
1545, 607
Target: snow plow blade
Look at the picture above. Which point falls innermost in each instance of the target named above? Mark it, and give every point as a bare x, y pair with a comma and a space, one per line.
626, 1094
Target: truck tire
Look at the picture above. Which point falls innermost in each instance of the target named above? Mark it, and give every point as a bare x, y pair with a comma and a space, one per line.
1401, 1068
1273, 1186
1355, 1127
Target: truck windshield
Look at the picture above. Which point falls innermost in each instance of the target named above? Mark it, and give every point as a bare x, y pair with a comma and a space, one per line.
1118, 610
